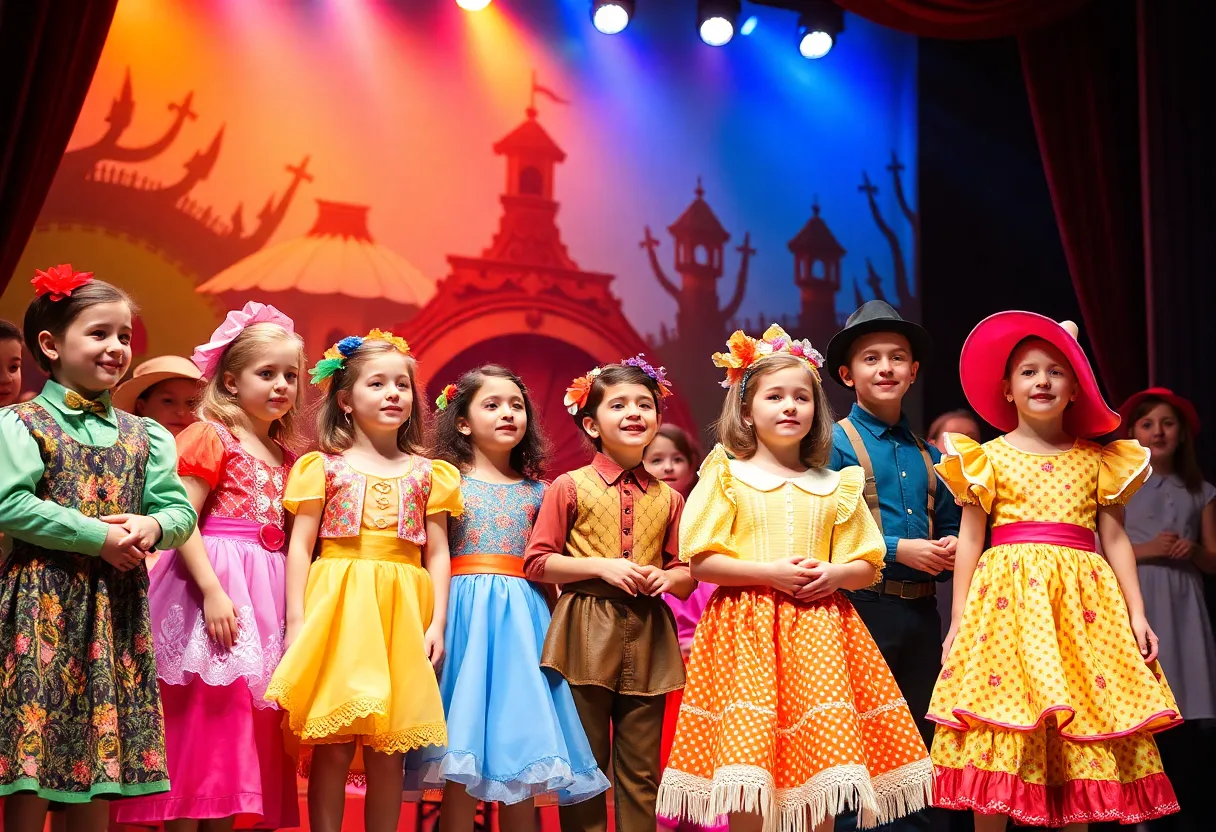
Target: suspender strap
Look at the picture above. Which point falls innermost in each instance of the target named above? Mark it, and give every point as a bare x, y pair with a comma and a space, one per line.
867, 467
871, 488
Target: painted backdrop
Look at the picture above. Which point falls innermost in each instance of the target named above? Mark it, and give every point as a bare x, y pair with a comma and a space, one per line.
504, 185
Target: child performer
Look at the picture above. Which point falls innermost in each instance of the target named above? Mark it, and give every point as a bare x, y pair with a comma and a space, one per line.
790, 716
86, 491
608, 532
1050, 691
365, 623
1171, 523
218, 607
10, 363
163, 389
513, 730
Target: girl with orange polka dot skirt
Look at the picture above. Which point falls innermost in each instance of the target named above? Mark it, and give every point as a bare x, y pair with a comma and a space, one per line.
790, 715
1050, 691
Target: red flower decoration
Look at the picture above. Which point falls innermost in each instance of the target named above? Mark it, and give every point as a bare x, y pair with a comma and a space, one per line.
59, 282
983, 637
1032, 582
271, 537
994, 680
1100, 681
983, 590
1002, 603
1090, 616
947, 673
1048, 467
986, 756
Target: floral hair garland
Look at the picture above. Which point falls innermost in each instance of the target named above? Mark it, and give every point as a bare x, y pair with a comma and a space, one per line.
745, 352
446, 397
335, 357
59, 281
580, 389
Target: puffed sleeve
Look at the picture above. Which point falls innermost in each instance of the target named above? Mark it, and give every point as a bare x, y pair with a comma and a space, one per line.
966, 471
445, 490
200, 453
164, 497
1125, 467
305, 482
855, 535
707, 526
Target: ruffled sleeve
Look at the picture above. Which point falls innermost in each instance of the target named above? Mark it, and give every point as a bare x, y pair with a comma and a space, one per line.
707, 525
1123, 470
966, 471
445, 490
200, 453
305, 482
855, 535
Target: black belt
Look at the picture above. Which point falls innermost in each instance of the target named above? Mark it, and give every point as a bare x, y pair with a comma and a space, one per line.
906, 590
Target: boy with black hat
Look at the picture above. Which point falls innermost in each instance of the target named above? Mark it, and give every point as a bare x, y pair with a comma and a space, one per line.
878, 355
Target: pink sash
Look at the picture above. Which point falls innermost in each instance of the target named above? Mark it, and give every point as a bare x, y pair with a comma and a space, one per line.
1053, 534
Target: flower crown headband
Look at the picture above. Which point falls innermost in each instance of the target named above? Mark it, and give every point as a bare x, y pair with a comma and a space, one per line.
335, 357
746, 352
580, 389
59, 281
446, 397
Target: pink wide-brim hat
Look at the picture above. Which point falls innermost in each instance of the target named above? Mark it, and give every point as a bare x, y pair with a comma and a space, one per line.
987, 351
1182, 407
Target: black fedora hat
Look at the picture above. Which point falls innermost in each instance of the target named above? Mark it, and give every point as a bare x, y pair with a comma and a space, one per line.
875, 316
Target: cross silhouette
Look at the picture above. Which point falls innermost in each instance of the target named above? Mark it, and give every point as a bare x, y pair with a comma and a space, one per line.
896, 167
650, 242
183, 109
300, 171
867, 187
746, 248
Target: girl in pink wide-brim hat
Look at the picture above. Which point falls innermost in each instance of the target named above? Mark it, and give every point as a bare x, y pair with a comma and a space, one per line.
1050, 691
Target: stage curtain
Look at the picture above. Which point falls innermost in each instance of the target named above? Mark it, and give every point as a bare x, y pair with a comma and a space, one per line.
1081, 77
48, 52
965, 19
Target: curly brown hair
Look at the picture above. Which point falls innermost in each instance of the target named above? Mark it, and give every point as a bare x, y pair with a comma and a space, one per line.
449, 444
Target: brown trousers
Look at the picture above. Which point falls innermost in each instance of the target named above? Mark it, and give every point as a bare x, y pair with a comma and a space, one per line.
626, 731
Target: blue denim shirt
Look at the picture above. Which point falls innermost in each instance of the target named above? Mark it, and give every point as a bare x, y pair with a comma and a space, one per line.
899, 473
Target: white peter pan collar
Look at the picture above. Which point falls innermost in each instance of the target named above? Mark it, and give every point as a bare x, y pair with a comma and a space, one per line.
818, 481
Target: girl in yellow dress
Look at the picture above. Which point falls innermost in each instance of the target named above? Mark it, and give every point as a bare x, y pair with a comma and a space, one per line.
366, 632
790, 715
1050, 690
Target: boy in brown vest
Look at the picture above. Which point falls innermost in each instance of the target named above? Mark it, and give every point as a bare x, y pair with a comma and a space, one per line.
608, 533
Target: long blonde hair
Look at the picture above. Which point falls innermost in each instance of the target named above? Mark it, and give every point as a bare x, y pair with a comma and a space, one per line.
740, 440
216, 404
335, 433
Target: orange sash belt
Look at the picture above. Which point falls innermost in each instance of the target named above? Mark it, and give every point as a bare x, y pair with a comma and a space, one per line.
510, 565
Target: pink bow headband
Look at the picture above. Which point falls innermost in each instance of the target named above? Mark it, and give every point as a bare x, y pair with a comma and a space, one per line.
207, 357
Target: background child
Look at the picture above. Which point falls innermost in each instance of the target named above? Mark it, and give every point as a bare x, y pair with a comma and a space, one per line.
513, 730
10, 363
85, 492
1050, 691
217, 603
365, 624
608, 533
953, 421
163, 389
791, 715
1171, 523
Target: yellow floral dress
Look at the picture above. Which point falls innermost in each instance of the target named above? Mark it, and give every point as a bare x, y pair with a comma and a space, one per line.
358, 671
1045, 707
789, 709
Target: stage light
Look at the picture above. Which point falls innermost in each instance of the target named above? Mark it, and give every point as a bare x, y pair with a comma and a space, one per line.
749, 25
611, 16
820, 24
716, 20
472, 5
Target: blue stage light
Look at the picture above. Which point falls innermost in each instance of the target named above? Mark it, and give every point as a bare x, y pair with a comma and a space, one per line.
716, 20
611, 16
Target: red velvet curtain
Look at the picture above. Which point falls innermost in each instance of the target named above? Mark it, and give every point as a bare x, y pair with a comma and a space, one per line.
48, 52
964, 19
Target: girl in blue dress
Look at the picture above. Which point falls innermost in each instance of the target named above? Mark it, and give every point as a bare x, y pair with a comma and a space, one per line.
513, 730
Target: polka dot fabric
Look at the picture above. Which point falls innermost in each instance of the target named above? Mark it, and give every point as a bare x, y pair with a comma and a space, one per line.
1045, 708
789, 709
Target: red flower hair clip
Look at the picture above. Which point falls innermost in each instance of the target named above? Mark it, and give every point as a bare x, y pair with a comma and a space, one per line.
59, 282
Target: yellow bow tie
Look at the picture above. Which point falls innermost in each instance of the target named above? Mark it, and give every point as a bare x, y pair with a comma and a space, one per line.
75, 401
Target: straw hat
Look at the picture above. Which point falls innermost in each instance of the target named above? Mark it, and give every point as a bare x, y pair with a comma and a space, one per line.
153, 371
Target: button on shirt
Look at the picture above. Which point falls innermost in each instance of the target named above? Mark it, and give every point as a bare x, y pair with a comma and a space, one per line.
902, 482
